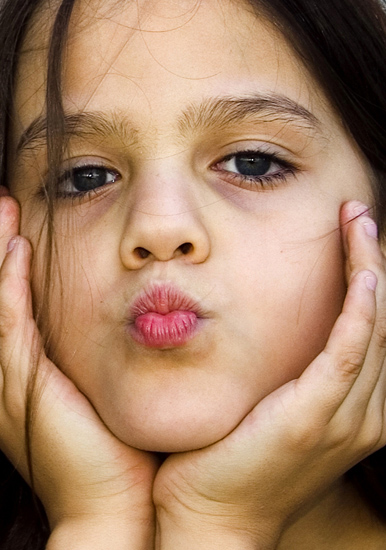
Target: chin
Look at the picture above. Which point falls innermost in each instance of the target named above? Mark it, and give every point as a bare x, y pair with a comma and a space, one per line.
181, 435
165, 422
177, 441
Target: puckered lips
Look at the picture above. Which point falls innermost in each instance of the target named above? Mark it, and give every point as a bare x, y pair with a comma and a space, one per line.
163, 317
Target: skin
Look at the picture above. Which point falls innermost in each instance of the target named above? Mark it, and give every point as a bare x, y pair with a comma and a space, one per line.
217, 376
173, 189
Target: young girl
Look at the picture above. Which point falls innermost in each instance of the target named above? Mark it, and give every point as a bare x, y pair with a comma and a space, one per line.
194, 358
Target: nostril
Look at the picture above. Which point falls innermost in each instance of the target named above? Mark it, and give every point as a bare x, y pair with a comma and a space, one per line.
142, 252
186, 248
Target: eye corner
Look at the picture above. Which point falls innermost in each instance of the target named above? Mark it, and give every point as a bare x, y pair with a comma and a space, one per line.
86, 178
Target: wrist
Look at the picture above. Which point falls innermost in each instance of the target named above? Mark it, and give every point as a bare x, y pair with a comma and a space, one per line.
101, 533
117, 521
195, 531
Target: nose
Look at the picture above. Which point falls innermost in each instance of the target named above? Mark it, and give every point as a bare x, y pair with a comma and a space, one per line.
164, 223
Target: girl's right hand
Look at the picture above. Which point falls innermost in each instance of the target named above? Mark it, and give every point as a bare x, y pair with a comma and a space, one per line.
96, 490
242, 491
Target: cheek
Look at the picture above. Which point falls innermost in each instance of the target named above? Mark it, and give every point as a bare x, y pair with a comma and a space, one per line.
272, 327
292, 291
72, 301
305, 300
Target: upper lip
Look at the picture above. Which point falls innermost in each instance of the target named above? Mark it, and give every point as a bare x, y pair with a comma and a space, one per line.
163, 298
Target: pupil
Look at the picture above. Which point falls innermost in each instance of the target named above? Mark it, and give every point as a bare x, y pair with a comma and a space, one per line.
249, 165
86, 179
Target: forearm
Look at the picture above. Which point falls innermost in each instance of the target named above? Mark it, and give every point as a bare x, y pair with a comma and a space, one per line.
193, 533
98, 535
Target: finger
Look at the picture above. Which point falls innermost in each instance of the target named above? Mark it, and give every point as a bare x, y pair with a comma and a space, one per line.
363, 252
9, 222
359, 236
350, 211
332, 375
17, 328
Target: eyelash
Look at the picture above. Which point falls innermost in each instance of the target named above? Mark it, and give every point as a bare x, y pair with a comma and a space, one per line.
270, 181
79, 195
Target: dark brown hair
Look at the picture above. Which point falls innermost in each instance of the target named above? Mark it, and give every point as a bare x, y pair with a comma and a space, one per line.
343, 45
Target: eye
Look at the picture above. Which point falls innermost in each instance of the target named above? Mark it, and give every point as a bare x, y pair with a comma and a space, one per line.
85, 179
248, 164
255, 167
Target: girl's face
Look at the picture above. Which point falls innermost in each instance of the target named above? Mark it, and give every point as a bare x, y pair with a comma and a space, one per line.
197, 223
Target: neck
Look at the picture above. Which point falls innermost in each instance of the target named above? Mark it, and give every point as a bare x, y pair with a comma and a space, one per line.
340, 520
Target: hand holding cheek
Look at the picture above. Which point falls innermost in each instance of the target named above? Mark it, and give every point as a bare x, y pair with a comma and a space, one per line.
242, 491
96, 490
363, 251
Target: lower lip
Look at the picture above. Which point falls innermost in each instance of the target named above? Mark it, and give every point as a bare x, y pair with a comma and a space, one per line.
171, 330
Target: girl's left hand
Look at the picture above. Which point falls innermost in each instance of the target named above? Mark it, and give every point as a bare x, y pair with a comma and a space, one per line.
241, 492
96, 490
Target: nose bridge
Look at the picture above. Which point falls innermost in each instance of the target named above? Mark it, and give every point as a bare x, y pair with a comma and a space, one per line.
163, 222
161, 196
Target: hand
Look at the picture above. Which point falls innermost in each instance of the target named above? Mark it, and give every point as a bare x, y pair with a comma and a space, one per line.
241, 491
95, 489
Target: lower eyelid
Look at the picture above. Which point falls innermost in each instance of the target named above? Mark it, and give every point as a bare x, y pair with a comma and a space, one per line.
66, 186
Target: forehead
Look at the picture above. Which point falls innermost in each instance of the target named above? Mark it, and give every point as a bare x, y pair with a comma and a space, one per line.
151, 58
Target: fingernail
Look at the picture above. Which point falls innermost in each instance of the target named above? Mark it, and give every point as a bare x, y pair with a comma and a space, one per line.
11, 244
359, 208
370, 227
371, 281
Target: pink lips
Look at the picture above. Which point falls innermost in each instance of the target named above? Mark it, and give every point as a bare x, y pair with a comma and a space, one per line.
163, 317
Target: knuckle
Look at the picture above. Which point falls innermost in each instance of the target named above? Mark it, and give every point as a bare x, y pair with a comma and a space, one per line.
307, 437
13, 404
370, 438
367, 320
8, 319
364, 433
350, 361
380, 331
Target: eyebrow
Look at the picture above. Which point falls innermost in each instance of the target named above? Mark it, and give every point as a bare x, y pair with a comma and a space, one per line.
229, 110
212, 112
85, 124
